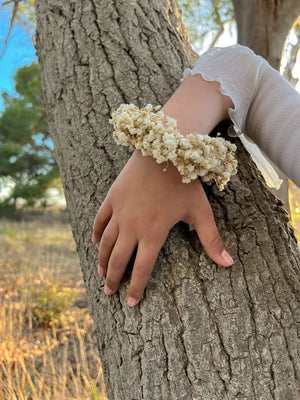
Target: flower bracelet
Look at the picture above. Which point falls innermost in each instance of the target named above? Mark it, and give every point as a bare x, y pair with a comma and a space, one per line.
212, 159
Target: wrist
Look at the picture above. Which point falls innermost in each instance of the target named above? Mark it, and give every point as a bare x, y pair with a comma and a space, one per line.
148, 165
197, 105
193, 155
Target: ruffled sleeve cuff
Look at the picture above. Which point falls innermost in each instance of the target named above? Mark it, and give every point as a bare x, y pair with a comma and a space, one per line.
237, 69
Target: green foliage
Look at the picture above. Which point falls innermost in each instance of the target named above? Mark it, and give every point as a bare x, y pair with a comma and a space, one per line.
25, 14
205, 20
51, 304
26, 150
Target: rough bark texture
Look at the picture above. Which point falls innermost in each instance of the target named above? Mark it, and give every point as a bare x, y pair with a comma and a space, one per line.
201, 331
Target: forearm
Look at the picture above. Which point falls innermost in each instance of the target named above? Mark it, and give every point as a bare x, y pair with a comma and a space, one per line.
263, 105
197, 105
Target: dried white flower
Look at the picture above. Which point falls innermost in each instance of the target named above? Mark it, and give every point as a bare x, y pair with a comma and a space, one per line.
193, 155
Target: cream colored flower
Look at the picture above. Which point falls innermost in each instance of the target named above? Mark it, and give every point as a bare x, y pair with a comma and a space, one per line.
193, 155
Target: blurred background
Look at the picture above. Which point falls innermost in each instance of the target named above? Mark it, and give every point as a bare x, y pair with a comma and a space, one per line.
47, 347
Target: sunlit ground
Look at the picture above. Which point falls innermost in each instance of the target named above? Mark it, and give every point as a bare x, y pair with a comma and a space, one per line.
294, 196
47, 343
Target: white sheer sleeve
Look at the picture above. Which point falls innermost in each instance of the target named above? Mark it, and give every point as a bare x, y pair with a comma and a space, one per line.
266, 106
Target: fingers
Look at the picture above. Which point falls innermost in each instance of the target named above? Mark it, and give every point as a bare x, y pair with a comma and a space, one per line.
108, 240
209, 236
118, 261
143, 266
102, 218
115, 251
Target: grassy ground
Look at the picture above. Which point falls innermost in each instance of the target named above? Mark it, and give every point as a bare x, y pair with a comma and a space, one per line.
47, 343
294, 197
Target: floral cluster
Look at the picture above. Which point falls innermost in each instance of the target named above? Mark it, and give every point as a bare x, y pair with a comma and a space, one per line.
212, 159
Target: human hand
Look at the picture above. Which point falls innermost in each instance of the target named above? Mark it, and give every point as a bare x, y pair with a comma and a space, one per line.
142, 205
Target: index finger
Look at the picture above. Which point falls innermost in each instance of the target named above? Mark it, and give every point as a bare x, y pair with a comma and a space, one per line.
144, 263
101, 220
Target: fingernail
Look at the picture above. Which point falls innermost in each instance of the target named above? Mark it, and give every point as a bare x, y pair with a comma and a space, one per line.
94, 239
101, 271
132, 302
227, 258
107, 290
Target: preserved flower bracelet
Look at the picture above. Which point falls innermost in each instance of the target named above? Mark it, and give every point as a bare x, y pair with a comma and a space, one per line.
212, 159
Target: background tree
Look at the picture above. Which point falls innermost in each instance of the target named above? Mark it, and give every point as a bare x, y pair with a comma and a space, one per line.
201, 331
26, 150
264, 25
206, 20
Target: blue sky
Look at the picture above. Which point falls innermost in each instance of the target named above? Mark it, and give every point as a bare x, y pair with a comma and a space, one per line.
19, 51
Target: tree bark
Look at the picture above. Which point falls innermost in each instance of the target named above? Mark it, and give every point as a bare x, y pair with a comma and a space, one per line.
201, 331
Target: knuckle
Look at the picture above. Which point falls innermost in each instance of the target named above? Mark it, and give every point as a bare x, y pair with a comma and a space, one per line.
102, 259
106, 239
216, 242
152, 236
156, 220
116, 261
131, 222
155, 231
142, 272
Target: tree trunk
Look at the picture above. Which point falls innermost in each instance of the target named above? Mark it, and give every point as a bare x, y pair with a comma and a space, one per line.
201, 331
263, 25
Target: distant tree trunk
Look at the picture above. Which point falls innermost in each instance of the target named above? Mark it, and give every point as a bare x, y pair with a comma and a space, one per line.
263, 25
201, 331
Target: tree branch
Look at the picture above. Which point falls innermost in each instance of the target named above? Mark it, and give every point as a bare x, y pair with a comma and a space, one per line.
13, 16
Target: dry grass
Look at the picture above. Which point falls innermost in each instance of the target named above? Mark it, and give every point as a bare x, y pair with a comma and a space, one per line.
294, 198
47, 343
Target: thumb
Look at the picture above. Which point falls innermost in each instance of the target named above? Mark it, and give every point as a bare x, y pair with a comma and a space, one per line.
209, 236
